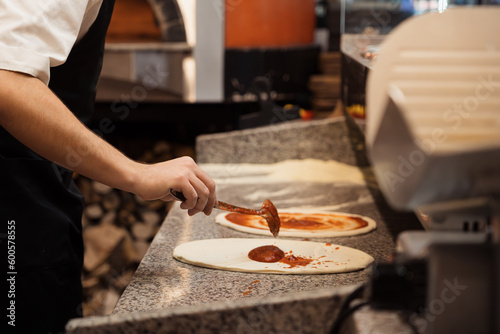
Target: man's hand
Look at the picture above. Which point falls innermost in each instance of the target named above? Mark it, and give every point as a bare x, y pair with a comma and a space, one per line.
181, 174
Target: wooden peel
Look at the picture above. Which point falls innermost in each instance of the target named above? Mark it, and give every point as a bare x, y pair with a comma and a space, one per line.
268, 211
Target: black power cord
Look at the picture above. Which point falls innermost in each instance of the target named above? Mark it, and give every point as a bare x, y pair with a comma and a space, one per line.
346, 308
393, 286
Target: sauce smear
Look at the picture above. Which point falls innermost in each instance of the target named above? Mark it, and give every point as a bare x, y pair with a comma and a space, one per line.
295, 261
266, 254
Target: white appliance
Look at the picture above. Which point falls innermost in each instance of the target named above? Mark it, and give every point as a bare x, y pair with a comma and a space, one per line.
433, 137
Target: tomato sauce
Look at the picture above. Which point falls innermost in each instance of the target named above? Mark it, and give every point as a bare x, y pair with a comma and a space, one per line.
271, 253
316, 221
266, 254
295, 261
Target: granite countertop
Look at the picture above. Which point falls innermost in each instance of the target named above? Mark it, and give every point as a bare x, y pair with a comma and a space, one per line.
163, 286
162, 282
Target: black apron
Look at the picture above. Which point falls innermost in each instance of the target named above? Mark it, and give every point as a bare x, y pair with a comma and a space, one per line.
41, 204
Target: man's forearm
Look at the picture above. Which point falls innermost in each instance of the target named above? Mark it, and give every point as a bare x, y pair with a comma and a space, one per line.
37, 118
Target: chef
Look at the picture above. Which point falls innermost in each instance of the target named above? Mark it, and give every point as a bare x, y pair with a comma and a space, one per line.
50, 59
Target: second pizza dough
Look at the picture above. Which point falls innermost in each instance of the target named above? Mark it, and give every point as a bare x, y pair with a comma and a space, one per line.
302, 224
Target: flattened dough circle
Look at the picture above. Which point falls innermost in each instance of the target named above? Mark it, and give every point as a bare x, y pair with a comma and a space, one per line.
232, 254
284, 232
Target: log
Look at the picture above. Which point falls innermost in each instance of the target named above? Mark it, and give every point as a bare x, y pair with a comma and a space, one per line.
90, 284
126, 218
85, 188
325, 85
89, 195
150, 217
111, 297
141, 248
324, 104
85, 221
100, 271
100, 242
157, 205
101, 188
330, 63
111, 201
140, 201
94, 211
109, 217
128, 201
128, 251
123, 280
92, 306
326, 92
120, 257
141, 231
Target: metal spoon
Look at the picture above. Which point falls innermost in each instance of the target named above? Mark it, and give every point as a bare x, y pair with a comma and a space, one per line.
267, 211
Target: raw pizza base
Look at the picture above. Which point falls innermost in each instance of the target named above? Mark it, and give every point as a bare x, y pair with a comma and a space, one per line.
232, 254
285, 232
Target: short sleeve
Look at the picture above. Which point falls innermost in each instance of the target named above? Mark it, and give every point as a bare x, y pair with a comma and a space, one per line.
36, 35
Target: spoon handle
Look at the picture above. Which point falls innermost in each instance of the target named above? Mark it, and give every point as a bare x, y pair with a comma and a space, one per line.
234, 208
220, 205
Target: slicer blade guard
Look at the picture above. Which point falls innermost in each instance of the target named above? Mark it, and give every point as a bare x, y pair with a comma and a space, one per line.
433, 108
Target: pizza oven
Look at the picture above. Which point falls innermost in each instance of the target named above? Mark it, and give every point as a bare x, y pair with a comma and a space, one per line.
195, 51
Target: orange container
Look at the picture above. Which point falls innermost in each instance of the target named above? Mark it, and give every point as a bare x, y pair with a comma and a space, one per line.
258, 23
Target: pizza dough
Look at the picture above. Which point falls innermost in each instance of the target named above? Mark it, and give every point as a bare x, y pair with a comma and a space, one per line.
303, 170
307, 224
232, 254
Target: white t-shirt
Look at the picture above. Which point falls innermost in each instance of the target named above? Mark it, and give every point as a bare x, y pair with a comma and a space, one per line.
38, 34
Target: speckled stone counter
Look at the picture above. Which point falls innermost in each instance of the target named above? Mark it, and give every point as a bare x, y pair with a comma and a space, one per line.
162, 282
284, 314
326, 139
167, 296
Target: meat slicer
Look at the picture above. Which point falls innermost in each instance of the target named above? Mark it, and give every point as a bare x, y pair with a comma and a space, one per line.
433, 138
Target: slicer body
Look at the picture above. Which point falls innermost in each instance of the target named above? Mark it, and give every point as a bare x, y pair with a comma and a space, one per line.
433, 138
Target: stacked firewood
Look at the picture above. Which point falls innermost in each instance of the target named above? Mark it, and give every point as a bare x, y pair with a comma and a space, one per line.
118, 228
325, 87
